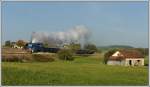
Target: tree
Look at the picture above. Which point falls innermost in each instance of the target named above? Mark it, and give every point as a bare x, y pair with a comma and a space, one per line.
74, 47
8, 43
21, 43
91, 47
46, 45
108, 54
65, 54
144, 51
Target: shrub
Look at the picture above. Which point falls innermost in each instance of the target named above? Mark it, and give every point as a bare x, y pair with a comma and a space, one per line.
16, 57
42, 57
65, 54
27, 57
11, 58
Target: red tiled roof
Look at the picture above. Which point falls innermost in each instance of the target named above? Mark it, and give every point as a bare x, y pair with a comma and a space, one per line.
127, 54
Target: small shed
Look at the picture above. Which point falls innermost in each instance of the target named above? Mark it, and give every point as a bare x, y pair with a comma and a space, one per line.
126, 58
14, 45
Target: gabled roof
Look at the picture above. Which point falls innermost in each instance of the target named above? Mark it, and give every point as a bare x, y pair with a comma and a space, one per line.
127, 54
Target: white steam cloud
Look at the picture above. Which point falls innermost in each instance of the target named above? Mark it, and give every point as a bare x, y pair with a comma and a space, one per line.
79, 34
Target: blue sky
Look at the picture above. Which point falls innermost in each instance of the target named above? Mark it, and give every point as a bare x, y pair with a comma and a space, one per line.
111, 23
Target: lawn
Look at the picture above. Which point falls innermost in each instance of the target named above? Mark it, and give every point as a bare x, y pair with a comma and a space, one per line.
81, 71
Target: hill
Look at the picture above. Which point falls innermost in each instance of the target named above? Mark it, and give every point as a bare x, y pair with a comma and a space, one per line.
104, 48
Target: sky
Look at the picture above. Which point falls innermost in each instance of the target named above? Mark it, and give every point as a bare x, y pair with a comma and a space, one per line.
111, 23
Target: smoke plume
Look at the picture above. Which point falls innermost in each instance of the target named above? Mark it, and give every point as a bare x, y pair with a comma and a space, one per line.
78, 34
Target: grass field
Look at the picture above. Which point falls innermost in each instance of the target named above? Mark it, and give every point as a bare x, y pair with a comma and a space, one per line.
81, 71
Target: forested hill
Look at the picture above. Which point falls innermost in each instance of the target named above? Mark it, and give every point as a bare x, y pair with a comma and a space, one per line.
114, 46
120, 46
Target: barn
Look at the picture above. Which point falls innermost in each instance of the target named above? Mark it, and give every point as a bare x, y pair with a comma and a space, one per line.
126, 58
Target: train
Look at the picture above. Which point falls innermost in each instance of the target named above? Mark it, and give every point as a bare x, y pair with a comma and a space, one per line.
85, 51
39, 47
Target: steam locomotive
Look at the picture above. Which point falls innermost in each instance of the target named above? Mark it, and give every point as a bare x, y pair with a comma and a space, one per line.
39, 47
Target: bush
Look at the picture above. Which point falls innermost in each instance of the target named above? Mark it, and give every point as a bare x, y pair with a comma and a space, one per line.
42, 57
11, 58
65, 54
16, 57
27, 57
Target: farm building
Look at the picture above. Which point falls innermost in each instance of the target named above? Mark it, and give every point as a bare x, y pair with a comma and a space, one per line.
14, 45
126, 58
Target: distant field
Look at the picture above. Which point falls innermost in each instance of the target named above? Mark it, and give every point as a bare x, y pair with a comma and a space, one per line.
81, 71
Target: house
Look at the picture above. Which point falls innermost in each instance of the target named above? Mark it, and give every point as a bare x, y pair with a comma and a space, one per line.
126, 58
14, 45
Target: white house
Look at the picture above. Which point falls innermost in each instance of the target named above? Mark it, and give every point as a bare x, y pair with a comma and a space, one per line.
14, 45
126, 58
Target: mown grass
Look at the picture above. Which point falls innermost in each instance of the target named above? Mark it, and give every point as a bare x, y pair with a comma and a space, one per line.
81, 71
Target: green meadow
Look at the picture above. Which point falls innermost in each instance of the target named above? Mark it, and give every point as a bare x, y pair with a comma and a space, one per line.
82, 71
